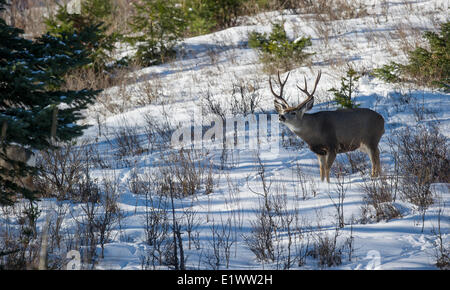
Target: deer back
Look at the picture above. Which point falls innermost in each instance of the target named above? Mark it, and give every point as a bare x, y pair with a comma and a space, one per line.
345, 130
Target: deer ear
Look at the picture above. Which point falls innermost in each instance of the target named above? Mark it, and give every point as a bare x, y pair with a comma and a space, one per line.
308, 106
278, 107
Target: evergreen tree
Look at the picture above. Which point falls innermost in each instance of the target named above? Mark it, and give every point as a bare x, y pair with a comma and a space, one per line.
199, 17
224, 12
426, 65
158, 26
432, 66
344, 96
92, 19
33, 106
277, 52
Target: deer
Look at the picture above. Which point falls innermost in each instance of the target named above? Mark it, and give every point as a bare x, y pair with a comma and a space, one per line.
329, 133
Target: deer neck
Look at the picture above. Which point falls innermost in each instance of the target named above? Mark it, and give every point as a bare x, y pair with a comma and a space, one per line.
303, 127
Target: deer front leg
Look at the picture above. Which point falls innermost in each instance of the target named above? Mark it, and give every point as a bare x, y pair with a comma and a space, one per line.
374, 155
330, 157
322, 162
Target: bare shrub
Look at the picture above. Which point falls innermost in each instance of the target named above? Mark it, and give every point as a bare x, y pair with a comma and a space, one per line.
327, 250
358, 162
424, 153
157, 226
212, 106
189, 170
58, 244
420, 195
192, 222
341, 188
209, 180
234, 206
289, 236
424, 156
423, 160
178, 259
158, 133
19, 239
379, 199
304, 182
336, 10
86, 236
118, 95
87, 78
289, 140
245, 97
150, 92
330, 248
100, 215
276, 234
325, 30
109, 214
185, 172
260, 240
65, 175
62, 169
26, 246
219, 250
163, 226
301, 181
442, 249
127, 141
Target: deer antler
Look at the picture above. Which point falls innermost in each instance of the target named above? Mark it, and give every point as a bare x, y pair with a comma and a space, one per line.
305, 90
279, 100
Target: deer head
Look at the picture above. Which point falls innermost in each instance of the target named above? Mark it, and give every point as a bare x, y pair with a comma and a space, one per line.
288, 113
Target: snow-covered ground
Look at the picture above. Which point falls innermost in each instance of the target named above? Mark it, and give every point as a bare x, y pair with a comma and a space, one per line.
213, 63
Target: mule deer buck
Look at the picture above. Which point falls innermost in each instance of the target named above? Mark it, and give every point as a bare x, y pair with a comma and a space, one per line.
331, 132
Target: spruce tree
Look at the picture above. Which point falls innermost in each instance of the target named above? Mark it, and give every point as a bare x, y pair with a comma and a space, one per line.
34, 109
431, 66
92, 19
426, 65
225, 12
158, 26
349, 84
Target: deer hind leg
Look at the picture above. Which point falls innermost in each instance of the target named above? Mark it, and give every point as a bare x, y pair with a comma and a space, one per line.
374, 155
322, 162
330, 157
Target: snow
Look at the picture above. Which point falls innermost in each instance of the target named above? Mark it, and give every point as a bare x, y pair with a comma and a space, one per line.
214, 62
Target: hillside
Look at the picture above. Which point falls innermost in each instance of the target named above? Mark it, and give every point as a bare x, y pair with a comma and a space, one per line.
247, 208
